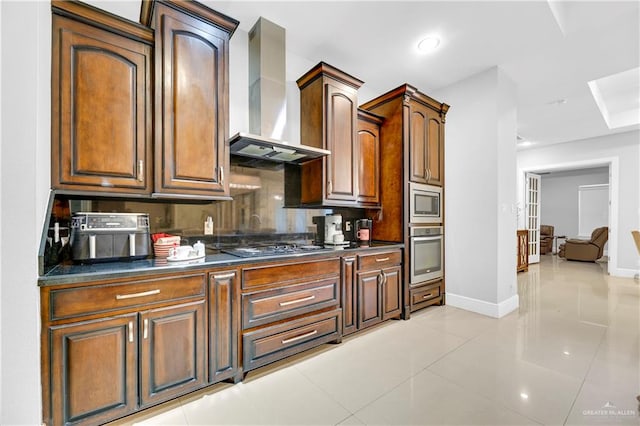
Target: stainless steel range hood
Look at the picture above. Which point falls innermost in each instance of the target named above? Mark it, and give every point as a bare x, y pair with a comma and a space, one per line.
267, 104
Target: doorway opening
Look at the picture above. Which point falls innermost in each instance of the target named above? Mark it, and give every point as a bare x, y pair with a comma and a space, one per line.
602, 171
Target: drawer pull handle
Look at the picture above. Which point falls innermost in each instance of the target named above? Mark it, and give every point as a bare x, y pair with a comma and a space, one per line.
145, 331
224, 276
428, 295
141, 294
131, 331
302, 336
382, 259
304, 299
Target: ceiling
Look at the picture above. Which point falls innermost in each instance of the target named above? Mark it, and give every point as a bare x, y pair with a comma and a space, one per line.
550, 49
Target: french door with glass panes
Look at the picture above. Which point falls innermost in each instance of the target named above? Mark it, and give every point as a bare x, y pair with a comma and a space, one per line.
532, 193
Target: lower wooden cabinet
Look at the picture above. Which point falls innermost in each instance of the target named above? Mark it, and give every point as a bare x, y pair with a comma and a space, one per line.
223, 326
85, 357
172, 352
113, 347
522, 263
427, 294
289, 307
372, 289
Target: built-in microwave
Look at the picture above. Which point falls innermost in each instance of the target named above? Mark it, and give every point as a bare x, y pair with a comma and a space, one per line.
425, 203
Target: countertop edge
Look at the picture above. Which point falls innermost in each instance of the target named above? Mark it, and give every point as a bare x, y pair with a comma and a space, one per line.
98, 272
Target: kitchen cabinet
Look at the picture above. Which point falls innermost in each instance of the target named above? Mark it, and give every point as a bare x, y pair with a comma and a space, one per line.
423, 295
411, 149
223, 326
328, 120
289, 307
426, 147
367, 150
191, 98
101, 114
378, 288
114, 347
349, 295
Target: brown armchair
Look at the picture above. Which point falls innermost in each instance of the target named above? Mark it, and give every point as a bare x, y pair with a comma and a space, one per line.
546, 239
585, 250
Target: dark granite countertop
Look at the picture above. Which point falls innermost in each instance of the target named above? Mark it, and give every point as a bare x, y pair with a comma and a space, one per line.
78, 273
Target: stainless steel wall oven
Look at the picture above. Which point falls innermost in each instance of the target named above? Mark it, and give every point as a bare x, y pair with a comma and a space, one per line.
426, 245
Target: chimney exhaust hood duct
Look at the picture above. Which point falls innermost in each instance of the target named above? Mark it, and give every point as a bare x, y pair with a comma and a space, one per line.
268, 104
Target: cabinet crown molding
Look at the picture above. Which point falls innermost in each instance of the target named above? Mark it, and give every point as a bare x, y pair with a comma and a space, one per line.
102, 19
192, 8
408, 92
324, 69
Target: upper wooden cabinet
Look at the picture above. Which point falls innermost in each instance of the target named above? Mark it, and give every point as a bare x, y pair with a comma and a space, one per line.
367, 150
328, 120
101, 101
191, 98
421, 120
426, 138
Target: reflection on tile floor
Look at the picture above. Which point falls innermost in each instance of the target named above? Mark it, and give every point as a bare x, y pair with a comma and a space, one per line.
569, 355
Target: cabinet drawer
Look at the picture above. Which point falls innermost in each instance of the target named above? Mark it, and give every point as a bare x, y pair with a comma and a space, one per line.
424, 295
68, 303
289, 273
286, 302
379, 260
273, 343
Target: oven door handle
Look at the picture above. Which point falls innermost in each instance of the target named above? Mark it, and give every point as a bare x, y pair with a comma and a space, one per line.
435, 237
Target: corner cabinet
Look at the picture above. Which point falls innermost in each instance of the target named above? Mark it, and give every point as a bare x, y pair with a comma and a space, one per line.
101, 102
328, 120
191, 98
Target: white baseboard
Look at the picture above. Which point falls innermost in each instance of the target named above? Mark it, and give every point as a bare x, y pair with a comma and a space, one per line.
495, 310
619, 272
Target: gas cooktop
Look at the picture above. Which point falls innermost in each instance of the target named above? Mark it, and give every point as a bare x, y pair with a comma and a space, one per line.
273, 250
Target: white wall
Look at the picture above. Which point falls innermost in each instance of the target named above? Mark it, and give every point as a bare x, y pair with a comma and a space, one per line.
24, 183
623, 151
560, 197
480, 198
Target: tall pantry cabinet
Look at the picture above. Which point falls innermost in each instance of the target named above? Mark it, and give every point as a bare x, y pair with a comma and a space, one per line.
411, 150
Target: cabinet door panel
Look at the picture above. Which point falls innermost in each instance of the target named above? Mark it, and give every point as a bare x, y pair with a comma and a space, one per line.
349, 296
392, 293
172, 360
369, 299
341, 131
191, 154
418, 144
101, 126
434, 152
94, 370
223, 326
368, 153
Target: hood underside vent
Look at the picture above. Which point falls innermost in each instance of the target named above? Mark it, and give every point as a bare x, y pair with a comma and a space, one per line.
266, 149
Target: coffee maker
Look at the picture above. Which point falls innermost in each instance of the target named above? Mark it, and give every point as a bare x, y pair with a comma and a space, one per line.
329, 230
363, 231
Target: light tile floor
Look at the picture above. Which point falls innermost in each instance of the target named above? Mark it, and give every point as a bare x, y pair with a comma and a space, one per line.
569, 355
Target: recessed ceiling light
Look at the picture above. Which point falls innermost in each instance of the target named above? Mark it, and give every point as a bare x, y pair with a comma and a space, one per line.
558, 102
524, 395
428, 44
